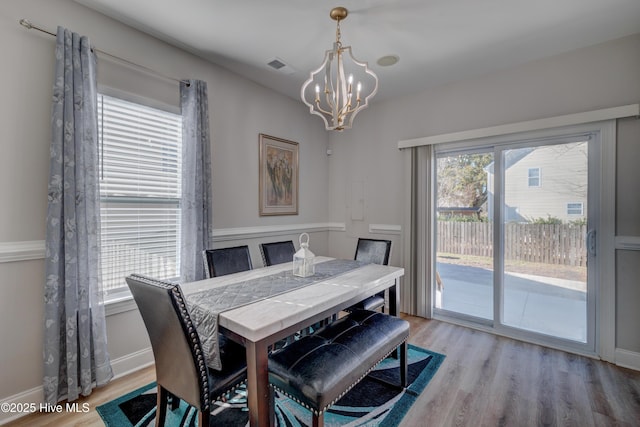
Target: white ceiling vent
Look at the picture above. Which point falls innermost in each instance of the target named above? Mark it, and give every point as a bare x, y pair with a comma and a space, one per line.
280, 66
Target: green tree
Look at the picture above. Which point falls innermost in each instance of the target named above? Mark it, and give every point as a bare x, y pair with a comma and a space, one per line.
462, 180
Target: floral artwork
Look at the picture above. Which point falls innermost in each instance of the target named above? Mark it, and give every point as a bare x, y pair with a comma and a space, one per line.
280, 171
278, 176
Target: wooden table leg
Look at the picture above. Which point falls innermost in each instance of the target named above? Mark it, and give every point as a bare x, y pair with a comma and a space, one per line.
258, 398
393, 310
393, 299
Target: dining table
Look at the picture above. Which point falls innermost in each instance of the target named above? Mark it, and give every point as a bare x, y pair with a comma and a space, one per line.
260, 322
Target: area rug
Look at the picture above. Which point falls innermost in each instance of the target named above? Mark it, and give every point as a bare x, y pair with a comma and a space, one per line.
372, 403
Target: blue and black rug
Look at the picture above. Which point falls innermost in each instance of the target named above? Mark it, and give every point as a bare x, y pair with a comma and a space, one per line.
371, 403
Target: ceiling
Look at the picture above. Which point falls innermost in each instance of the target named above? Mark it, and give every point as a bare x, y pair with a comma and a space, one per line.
438, 41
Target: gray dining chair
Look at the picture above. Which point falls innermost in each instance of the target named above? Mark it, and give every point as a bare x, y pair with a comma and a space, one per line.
181, 370
277, 252
373, 251
219, 262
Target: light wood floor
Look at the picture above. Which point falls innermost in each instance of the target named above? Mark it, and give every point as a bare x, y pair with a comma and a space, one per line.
485, 380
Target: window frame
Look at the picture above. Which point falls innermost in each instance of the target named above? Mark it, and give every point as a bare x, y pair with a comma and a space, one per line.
119, 299
602, 216
569, 208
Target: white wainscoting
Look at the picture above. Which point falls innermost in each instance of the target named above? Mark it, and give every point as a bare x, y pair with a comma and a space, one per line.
626, 358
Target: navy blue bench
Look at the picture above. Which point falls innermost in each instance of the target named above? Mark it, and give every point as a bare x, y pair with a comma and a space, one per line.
320, 368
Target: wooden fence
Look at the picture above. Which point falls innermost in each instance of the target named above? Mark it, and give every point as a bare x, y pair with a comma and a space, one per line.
563, 244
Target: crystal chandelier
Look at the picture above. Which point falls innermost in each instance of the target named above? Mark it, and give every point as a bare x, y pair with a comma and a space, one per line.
329, 91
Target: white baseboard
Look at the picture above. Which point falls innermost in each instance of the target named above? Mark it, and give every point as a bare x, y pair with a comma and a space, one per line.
628, 359
133, 362
121, 366
21, 400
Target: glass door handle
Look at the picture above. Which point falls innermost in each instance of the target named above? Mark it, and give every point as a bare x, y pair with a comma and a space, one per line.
591, 242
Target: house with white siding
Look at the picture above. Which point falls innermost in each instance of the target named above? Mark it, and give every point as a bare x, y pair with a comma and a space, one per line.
544, 183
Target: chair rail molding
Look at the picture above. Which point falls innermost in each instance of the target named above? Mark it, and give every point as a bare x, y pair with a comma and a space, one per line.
223, 234
385, 229
35, 249
21, 251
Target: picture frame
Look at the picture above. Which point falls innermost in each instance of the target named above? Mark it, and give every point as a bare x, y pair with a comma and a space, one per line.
278, 176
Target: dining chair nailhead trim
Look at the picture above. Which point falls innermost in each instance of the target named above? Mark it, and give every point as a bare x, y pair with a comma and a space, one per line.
192, 333
229, 390
186, 318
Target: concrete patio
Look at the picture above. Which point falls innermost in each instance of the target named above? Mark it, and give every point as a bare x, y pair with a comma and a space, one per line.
542, 304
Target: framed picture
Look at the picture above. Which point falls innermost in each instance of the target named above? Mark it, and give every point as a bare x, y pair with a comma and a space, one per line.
278, 191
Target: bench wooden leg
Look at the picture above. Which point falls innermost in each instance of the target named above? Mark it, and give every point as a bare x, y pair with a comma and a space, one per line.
203, 418
403, 365
272, 405
161, 406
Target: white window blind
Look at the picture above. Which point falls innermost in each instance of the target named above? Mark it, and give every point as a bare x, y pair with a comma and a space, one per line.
140, 190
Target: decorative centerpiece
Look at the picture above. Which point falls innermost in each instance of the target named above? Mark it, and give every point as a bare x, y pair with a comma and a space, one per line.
303, 265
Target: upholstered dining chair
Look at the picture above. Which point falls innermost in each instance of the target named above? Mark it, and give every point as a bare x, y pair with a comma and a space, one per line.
372, 251
219, 262
277, 252
181, 369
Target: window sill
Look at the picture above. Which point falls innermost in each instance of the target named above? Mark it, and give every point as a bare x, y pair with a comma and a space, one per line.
122, 301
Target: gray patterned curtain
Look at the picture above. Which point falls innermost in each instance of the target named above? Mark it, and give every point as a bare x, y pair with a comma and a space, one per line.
75, 340
196, 215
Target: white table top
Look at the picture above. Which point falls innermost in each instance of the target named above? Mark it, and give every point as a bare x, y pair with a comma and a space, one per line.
266, 317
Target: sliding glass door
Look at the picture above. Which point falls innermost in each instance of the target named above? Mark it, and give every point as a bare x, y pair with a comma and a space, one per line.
464, 258
514, 235
545, 217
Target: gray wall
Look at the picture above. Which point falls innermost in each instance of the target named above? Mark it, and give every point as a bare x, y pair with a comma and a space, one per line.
239, 111
606, 75
364, 158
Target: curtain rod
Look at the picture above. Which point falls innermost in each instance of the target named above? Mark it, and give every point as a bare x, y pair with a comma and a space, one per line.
28, 25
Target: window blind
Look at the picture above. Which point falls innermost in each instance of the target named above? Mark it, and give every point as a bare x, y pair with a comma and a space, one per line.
140, 190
